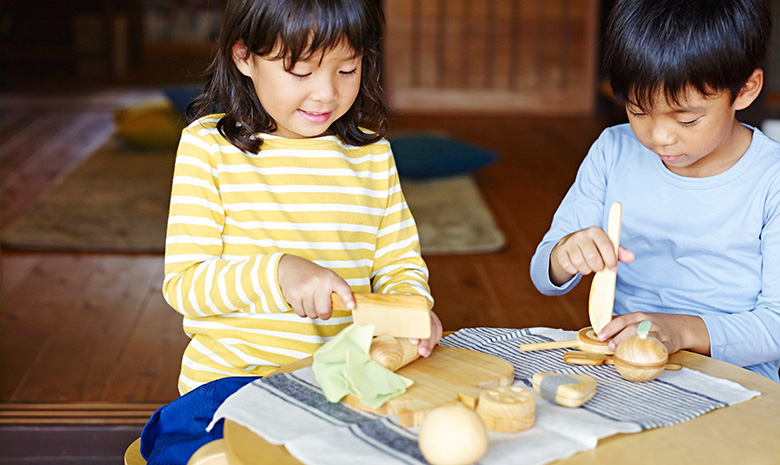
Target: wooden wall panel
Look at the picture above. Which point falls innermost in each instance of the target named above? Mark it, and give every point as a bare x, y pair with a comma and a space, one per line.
525, 56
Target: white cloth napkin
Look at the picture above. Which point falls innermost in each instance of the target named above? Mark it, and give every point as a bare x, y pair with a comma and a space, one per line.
290, 409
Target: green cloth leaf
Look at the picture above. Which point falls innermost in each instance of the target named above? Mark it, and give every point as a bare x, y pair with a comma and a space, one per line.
343, 366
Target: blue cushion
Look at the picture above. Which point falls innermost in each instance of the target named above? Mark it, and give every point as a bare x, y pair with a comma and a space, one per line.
431, 156
182, 95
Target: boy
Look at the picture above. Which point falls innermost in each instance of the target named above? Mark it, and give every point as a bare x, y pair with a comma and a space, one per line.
700, 236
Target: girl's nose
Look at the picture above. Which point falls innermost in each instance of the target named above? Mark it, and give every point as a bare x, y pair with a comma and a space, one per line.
325, 90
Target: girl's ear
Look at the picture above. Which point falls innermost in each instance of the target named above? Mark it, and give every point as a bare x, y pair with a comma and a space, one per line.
750, 90
241, 57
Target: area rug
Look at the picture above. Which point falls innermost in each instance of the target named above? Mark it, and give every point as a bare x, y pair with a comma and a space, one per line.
117, 201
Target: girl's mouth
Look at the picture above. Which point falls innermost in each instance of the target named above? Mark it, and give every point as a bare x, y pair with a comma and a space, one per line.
314, 117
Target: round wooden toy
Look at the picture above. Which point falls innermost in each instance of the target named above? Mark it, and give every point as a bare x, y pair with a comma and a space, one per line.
507, 409
586, 341
452, 434
642, 357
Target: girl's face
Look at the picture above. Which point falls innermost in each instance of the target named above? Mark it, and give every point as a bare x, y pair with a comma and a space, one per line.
307, 99
699, 137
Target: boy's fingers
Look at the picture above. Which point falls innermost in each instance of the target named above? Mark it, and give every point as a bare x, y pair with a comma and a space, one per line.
625, 255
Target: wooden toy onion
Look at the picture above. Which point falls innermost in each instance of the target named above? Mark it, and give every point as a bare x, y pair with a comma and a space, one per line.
452, 434
642, 357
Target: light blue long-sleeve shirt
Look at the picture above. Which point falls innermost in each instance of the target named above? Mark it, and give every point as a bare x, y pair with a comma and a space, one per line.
704, 246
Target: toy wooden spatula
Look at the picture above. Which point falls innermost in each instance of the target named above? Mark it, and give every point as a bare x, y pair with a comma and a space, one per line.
602, 288
393, 314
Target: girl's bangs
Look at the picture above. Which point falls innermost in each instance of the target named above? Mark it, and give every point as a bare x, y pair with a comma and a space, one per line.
308, 32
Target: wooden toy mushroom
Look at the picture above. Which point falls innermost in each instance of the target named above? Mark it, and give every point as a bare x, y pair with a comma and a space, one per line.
452, 434
642, 357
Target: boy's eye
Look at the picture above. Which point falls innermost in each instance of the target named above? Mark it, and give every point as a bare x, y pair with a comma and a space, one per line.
690, 123
299, 76
634, 113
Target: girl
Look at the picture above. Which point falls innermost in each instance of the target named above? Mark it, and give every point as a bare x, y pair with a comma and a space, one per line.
284, 192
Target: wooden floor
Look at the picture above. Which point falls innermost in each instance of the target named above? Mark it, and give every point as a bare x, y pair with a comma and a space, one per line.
91, 332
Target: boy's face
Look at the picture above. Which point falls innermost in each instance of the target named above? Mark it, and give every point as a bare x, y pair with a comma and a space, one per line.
305, 100
698, 137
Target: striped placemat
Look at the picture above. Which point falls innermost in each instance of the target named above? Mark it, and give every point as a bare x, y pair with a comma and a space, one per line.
290, 409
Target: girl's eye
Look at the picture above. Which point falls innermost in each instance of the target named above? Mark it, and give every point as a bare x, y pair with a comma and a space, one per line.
300, 76
349, 72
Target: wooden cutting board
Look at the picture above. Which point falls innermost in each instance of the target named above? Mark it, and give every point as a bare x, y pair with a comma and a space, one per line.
447, 375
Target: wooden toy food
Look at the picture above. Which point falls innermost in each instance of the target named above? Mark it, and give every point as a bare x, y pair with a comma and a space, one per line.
586, 341
578, 357
452, 434
642, 357
568, 390
507, 409
392, 352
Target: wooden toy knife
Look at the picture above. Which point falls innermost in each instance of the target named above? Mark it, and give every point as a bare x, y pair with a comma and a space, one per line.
602, 288
392, 314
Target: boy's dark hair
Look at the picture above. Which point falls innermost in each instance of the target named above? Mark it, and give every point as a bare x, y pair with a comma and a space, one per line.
671, 45
302, 28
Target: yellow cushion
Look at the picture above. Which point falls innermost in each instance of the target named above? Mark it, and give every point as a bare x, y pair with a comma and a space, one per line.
150, 124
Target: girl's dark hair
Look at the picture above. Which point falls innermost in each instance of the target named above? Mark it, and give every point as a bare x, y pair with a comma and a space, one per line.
301, 28
670, 45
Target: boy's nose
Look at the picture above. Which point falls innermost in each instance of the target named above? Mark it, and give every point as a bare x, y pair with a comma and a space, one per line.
660, 135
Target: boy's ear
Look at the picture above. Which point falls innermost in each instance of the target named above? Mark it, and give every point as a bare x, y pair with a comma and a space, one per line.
241, 57
750, 90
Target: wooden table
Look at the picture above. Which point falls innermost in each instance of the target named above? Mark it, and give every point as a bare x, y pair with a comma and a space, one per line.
748, 432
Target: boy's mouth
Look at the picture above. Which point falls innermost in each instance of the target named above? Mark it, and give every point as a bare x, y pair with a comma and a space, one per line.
670, 158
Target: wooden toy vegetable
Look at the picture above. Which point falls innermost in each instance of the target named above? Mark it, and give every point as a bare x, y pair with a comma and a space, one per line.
507, 409
642, 357
568, 390
393, 352
452, 434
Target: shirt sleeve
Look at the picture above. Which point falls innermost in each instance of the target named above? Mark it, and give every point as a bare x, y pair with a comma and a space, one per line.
753, 337
398, 264
583, 206
198, 282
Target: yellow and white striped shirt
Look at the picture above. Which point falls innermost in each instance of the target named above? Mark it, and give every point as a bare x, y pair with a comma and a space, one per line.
233, 215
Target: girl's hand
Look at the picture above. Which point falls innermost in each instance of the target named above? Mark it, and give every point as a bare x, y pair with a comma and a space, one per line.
585, 251
307, 287
425, 346
676, 332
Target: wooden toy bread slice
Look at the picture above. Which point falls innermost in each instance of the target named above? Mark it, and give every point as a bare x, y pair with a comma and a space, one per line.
507, 409
568, 390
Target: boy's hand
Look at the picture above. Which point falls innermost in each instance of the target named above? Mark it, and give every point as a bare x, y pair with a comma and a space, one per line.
585, 251
676, 332
307, 287
425, 346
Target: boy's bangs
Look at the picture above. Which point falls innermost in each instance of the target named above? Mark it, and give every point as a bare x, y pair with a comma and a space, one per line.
671, 76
